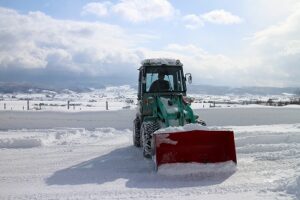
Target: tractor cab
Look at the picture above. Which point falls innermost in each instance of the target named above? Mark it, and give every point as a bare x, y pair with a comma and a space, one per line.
161, 77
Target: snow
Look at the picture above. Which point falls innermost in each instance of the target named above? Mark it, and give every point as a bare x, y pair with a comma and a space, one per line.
169, 108
122, 97
186, 127
290, 186
161, 61
20, 143
85, 154
76, 163
197, 169
164, 139
125, 97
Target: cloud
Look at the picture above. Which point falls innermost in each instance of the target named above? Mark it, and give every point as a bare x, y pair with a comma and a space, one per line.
221, 17
265, 12
36, 45
247, 70
38, 41
211, 69
96, 8
144, 10
278, 49
193, 21
132, 10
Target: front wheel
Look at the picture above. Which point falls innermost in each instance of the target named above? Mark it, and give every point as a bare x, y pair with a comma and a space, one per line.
147, 130
201, 122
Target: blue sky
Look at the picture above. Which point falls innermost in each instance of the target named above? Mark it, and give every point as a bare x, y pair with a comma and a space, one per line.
233, 43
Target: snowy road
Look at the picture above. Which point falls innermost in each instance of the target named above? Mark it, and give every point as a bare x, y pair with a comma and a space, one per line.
101, 163
122, 119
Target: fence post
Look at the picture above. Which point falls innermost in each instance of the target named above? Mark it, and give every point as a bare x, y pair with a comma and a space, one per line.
68, 104
4, 106
106, 105
27, 104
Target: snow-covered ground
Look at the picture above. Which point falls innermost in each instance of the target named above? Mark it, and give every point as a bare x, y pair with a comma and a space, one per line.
123, 97
89, 155
111, 98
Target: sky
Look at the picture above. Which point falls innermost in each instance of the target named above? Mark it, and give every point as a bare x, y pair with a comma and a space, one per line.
94, 43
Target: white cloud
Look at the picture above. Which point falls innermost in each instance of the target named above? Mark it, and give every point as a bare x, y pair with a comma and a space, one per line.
278, 49
96, 8
206, 68
193, 21
247, 70
144, 10
263, 12
38, 41
221, 17
292, 48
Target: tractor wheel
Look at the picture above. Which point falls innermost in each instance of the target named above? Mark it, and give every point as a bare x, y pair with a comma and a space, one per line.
201, 122
147, 130
136, 132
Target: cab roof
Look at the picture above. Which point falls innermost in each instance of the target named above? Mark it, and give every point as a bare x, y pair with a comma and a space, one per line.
161, 61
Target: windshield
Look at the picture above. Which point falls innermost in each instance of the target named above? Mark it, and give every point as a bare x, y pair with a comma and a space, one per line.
164, 79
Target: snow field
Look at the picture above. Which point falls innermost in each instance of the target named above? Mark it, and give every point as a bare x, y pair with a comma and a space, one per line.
101, 163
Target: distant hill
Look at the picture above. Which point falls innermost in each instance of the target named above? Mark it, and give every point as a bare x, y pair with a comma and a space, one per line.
195, 89
224, 90
18, 88
30, 88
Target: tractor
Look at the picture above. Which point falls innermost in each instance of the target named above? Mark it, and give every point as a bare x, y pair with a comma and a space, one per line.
163, 105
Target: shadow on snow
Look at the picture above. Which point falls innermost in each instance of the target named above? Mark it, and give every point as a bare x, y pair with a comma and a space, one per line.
128, 163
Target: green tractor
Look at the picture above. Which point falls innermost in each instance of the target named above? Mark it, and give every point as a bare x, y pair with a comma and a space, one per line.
162, 103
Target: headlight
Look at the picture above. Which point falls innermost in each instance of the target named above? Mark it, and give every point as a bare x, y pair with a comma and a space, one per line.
149, 100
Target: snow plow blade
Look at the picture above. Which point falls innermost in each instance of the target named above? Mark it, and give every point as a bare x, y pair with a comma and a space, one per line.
200, 146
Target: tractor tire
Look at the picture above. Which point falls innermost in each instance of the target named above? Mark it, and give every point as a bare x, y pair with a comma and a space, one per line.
201, 122
147, 130
136, 132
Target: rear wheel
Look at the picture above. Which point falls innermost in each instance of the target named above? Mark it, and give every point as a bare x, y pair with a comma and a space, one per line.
136, 132
147, 130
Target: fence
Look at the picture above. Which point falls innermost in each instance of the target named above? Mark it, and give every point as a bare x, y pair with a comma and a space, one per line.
64, 105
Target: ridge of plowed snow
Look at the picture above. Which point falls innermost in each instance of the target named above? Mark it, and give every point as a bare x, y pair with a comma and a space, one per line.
15, 143
197, 169
27, 138
188, 127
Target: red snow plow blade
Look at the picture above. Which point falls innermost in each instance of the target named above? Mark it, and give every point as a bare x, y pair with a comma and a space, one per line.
201, 146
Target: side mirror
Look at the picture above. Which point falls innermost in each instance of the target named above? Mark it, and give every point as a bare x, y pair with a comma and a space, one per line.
188, 77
